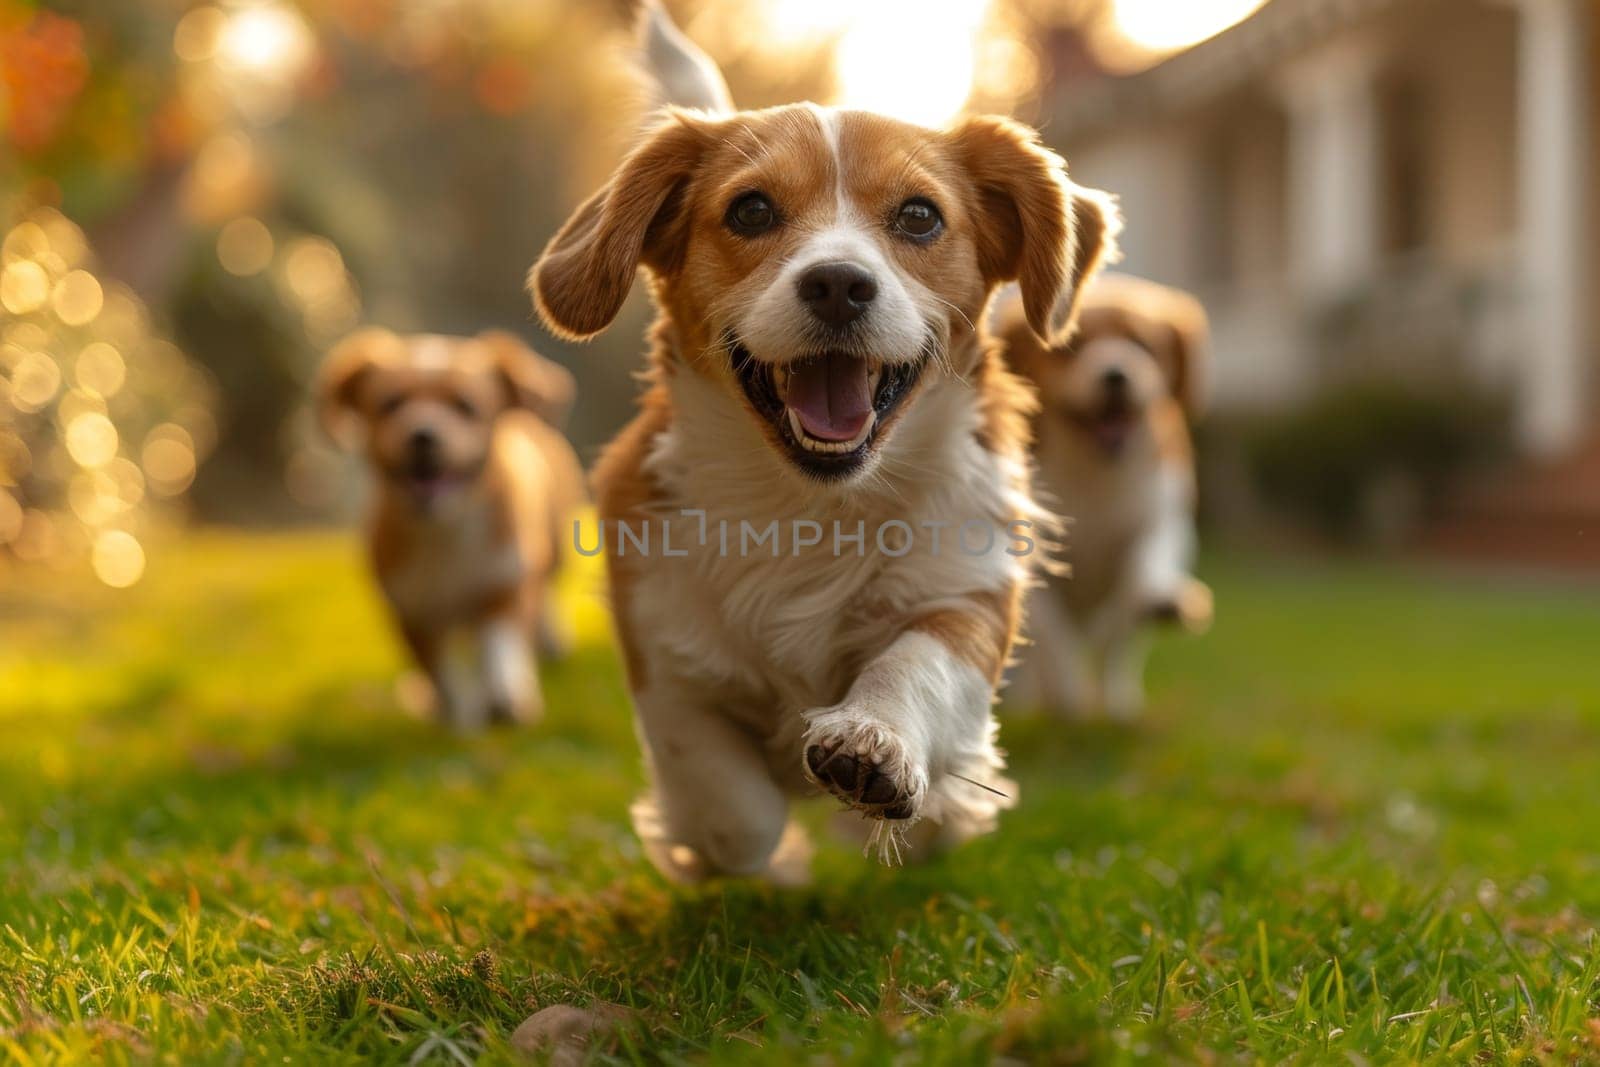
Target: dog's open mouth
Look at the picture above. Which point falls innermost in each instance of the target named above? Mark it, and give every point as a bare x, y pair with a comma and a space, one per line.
1110, 425
828, 409
426, 481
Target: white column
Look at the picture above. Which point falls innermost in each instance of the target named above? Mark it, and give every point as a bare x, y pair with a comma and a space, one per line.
1552, 152
1335, 190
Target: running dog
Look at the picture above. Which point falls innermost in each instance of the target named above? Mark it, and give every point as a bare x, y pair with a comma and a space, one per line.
475, 486
815, 363
1114, 455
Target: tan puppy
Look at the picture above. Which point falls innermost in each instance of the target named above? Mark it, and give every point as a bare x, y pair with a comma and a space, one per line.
474, 490
1113, 454
816, 377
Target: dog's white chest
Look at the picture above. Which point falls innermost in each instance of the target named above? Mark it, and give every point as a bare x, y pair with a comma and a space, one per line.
793, 626
454, 565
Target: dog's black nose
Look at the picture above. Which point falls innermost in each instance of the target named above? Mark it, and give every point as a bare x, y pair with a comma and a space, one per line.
1115, 381
837, 293
423, 441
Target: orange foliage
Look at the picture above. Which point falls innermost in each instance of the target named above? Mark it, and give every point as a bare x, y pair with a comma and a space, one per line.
43, 69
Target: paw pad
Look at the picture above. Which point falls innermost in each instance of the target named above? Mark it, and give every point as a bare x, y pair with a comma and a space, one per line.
858, 781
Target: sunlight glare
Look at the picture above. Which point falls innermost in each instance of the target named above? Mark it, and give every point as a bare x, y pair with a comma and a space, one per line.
1168, 25
899, 59
266, 40
809, 20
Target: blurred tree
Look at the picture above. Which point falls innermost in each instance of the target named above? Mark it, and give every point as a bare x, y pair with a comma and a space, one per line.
251, 170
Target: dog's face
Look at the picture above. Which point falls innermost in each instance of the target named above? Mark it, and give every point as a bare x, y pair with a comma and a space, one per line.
818, 265
1137, 344
1105, 384
425, 406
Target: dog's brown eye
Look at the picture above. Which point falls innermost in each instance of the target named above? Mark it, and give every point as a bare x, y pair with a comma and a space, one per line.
464, 407
918, 218
751, 214
391, 404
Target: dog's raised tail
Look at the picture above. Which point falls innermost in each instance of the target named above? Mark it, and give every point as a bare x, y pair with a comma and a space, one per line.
684, 74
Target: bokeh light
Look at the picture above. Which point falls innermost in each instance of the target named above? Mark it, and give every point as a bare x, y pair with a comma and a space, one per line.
260, 50
91, 439
315, 277
100, 369
195, 38
82, 378
227, 179
27, 240
245, 247
118, 558
313, 268
35, 380
65, 239
264, 40
93, 497
77, 298
123, 321
168, 459
24, 287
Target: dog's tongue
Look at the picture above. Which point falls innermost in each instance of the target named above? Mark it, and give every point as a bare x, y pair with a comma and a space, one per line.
1111, 431
831, 395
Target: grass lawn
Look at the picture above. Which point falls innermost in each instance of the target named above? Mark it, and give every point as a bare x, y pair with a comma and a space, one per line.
1361, 820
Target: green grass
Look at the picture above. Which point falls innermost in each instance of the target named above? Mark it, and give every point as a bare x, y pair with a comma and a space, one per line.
1361, 820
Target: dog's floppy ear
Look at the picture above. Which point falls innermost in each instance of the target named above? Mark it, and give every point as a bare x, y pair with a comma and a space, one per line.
1022, 350
586, 270
540, 385
339, 382
1034, 225
1189, 345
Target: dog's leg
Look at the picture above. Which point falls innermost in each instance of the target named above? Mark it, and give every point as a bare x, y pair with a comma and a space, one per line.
547, 622
1162, 561
1157, 586
1059, 658
458, 685
461, 684
427, 647
914, 736
553, 630
1122, 670
510, 673
714, 808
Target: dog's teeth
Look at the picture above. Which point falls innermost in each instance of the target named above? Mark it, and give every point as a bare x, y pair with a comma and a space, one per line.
812, 444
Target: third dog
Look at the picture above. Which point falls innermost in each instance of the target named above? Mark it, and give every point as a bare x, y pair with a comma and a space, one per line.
1113, 453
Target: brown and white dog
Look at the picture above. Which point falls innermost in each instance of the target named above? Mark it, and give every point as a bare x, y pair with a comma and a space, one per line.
815, 369
475, 486
1113, 455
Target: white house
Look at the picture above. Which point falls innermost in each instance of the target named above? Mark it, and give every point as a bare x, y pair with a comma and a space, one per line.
1430, 162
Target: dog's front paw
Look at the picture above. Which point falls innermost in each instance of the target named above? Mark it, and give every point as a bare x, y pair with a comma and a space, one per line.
863, 763
1190, 606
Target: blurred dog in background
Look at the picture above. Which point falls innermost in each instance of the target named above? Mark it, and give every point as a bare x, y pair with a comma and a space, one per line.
1113, 454
475, 486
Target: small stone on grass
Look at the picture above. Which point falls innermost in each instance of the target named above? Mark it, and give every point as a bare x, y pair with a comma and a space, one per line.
565, 1031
